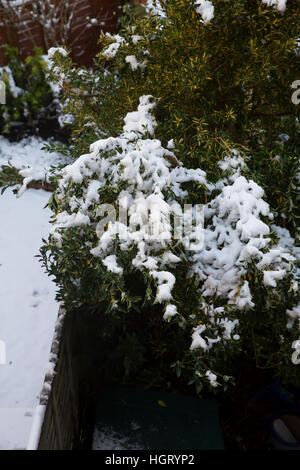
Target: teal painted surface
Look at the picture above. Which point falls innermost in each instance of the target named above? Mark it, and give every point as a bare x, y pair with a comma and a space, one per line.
157, 421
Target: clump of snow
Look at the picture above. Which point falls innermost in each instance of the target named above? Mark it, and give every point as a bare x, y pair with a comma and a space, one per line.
234, 235
64, 119
156, 8
171, 310
111, 264
135, 38
53, 50
141, 121
166, 282
134, 64
28, 152
171, 144
212, 378
197, 340
232, 162
14, 89
15, 425
296, 353
113, 48
206, 9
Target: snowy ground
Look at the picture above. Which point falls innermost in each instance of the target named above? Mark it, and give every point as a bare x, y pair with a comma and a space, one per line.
15, 425
27, 152
28, 308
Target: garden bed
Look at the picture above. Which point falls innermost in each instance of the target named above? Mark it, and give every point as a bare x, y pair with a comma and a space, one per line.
71, 415
78, 410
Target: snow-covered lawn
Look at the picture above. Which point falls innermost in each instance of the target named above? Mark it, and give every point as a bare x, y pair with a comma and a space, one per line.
28, 308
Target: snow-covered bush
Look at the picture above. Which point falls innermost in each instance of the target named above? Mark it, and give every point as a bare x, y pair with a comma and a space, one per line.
225, 285
221, 131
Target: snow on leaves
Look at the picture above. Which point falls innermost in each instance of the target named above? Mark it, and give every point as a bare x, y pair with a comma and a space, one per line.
206, 9
237, 230
279, 5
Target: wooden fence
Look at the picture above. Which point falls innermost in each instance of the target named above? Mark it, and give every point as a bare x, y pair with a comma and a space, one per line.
60, 426
25, 32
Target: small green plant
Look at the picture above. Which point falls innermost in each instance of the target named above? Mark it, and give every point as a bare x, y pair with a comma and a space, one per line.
29, 97
9, 176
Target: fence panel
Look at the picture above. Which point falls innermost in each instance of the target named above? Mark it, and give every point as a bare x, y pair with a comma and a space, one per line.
25, 32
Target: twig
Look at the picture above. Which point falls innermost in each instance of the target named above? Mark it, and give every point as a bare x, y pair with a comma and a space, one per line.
45, 186
172, 159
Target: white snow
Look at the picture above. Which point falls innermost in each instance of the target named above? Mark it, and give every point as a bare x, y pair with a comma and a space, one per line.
15, 425
133, 62
135, 38
27, 153
36, 427
111, 264
166, 282
155, 8
171, 310
197, 340
141, 121
28, 307
279, 5
212, 378
53, 50
112, 49
53, 359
